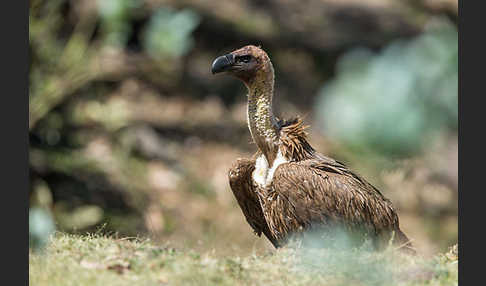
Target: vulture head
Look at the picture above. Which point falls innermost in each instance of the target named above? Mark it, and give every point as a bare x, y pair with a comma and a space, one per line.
247, 64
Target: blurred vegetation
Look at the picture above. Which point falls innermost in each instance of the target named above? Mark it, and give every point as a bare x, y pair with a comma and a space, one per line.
394, 102
129, 130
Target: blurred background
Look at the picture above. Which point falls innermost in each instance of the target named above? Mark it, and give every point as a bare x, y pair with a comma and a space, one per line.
131, 134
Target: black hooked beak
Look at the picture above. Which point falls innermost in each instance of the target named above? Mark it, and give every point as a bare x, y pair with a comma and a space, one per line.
222, 63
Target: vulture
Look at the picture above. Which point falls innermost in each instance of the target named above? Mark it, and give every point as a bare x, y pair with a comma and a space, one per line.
287, 188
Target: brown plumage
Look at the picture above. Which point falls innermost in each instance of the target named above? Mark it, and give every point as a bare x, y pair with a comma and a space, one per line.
287, 188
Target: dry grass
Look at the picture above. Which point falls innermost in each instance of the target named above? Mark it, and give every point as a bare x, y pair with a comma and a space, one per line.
101, 260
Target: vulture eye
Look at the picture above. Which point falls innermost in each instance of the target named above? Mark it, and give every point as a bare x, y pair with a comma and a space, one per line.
244, 59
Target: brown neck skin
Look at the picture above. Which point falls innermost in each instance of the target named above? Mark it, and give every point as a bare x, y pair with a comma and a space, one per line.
261, 121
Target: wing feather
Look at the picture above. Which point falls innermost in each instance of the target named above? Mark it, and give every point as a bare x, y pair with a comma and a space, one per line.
324, 192
240, 179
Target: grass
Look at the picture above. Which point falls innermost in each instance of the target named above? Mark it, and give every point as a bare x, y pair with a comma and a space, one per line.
96, 259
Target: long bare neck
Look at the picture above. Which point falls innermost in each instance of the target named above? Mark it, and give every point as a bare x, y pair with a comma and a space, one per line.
261, 121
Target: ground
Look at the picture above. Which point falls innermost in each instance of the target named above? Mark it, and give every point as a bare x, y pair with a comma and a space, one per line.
96, 259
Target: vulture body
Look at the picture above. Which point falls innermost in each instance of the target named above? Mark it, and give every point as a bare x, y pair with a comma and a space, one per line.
288, 189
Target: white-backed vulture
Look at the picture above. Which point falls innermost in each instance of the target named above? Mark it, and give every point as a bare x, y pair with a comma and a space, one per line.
288, 187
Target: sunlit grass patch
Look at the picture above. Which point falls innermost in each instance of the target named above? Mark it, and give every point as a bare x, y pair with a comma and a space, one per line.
101, 260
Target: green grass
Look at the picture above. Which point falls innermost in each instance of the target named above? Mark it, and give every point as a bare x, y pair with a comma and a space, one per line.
100, 260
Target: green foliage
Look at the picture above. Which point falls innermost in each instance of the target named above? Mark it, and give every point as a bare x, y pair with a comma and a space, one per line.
394, 101
115, 17
169, 33
41, 227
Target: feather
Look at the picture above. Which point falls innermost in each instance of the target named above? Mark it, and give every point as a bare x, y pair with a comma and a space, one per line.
295, 188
